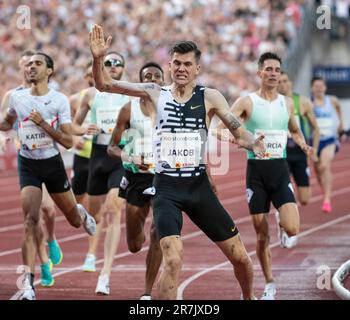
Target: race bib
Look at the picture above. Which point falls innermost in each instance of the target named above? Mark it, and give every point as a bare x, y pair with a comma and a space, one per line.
326, 126
275, 142
181, 149
106, 119
33, 137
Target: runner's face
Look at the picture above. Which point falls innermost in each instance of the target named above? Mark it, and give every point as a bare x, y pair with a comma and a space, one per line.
114, 65
37, 69
22, 68
183, 68
284, 85
318, 88
270, 73
152, 74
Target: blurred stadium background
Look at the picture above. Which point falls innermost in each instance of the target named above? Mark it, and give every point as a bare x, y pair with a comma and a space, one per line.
311, 36
231, 35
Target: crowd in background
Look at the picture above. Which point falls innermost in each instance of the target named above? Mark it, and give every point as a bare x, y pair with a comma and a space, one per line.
231, 35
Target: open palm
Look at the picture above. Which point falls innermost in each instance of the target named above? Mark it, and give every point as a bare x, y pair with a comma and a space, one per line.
98, 45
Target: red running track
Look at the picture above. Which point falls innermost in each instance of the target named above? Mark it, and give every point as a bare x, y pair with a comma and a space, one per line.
323, 246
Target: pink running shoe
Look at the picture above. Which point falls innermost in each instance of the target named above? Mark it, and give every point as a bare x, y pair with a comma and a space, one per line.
326, 207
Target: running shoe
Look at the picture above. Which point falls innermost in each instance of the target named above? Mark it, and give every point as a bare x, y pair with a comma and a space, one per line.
46, 277
55, 252
146, 297
288, 242
89, 263
89, 222
326, 207
269, 291
254, 297
102, 287
285, 240
27, 293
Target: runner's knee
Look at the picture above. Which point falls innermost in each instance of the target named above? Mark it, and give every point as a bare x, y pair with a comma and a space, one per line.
134, 246
242, 260
73, 218
48, 210
31, 221
262, 232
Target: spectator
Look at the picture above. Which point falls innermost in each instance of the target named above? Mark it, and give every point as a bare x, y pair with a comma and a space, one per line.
231, 34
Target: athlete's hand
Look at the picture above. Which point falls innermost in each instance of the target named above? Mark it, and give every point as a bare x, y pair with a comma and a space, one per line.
36, 117
78, 143
259, 147
93, 130
139, 161
315, 156
98, 45
309, 151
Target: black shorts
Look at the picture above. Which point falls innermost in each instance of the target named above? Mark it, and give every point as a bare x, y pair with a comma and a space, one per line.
80, 174
268, 181
49, 171
195, 197
137, 188
298, 168
105, 173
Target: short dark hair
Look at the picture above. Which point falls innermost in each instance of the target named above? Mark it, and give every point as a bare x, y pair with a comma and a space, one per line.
148, 65
316, 78
117, 53
186, 47
48, 60
27, 53
268, 56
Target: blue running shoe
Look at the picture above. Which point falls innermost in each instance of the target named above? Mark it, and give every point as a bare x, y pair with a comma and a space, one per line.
55, 252
46, 276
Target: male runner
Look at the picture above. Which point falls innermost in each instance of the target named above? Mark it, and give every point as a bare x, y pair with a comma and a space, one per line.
182, 112
43, 117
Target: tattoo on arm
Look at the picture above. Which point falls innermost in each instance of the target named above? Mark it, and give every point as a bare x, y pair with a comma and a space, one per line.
149, 86
232, 121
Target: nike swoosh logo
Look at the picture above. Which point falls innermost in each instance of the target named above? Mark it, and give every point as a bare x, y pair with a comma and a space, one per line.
195, 107
46, 103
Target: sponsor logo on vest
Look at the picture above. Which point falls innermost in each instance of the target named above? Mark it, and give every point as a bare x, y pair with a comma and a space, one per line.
195, 107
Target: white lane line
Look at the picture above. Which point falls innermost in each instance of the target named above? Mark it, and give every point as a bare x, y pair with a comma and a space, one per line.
223, 186
225, 201
189, 280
